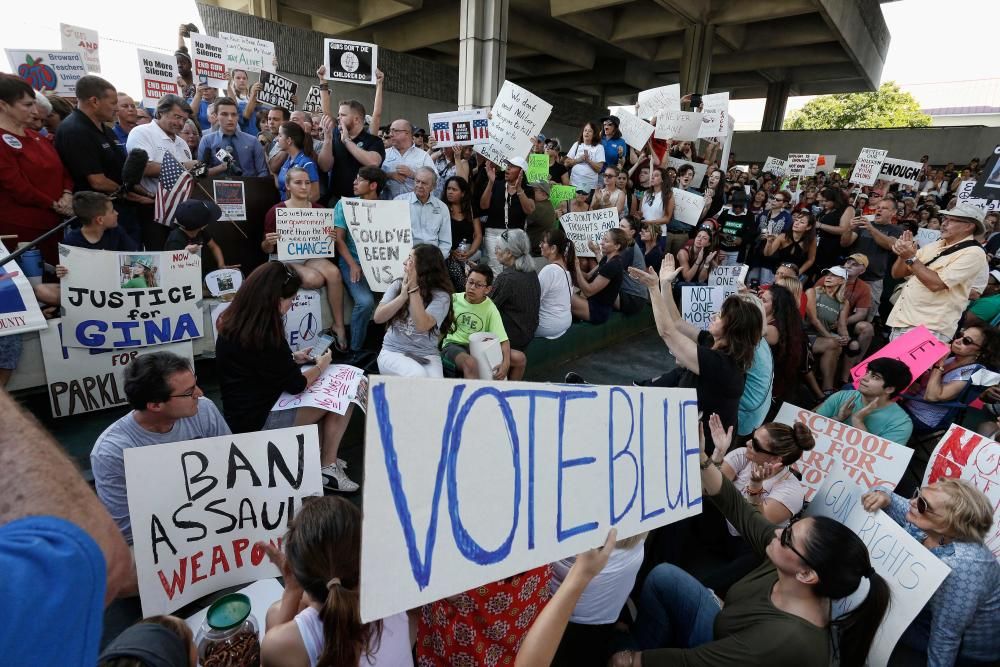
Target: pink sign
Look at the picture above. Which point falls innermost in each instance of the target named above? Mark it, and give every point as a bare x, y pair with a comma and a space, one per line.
917, 348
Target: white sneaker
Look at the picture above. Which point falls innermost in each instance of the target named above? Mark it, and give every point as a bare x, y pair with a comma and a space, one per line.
342, 463
335, 479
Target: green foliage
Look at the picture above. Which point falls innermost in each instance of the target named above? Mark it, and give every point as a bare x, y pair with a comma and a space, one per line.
887, 107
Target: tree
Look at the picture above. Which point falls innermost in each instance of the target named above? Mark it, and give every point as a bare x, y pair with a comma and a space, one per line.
887, 107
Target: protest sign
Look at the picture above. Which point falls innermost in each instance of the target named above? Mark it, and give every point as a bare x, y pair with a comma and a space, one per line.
715, 116
334, 390
917, 348
538, 167
57, 71
655, 99
224, 281
504, 477
775, 165
964, 191
304, 319
699, 303
988, 184
727, 145
313, 102
277, 91
382, 234
516, 117
19, 311
868, 459
459, 128
635, 131
560, 193
231, 198
158, 73
81, 381
925, 236
964, 454
354, 62
304, 233
901, 171
130, 299
199, 507
678, 125
248, 53
699, 168
826, 163
688, 206
868, 166
208, 60
912, 572
729, 277
588, 226
802, 164
84, 40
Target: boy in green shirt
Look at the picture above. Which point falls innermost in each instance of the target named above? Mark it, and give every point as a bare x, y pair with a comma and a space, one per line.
870, 407
475, 312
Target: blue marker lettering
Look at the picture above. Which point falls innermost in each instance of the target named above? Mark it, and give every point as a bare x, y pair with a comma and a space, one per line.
614, 456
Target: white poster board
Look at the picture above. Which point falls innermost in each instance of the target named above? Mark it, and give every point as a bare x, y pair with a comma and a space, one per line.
826, 163
504, 477
277, 91
802, 164
19, 311
199, 507
353, 62
774, 165
304, 320
587, 226
925, 236
158, 74
730, 277
81, 381
653, 100
635, 131
678, 125
130, 299
699, 303
304, 233
964, 454
208, 60
57, 71
517, 116
248, 53
869, 164
459, 128
912, 572
715, 116
223, 281
868, 459
699, 168
334, 390
84, 40
903, 172
382, 234
688, 206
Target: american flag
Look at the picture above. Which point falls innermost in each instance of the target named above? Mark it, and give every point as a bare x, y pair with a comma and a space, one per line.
442, 131
481, 128
174, 187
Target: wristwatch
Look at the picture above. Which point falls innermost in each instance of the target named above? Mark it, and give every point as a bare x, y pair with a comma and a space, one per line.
910, 261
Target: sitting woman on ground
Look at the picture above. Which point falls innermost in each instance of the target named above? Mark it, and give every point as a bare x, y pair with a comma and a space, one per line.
797, 246
609, 196
827, 309
556, 283
633, 296
416, 310
699, 257
313, 273
778, 614
951, 518
599, 288
516, 292
465, 228
788, 345
317, 621
255, 365
649, 235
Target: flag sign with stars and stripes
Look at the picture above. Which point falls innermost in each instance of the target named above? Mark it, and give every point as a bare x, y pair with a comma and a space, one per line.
480, 129
174, 187
441, 131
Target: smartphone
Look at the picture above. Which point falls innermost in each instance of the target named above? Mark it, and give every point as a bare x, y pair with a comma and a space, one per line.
754, 283
695, 100
322, 344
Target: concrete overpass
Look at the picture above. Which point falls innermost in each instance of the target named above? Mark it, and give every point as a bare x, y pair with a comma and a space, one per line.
602, 52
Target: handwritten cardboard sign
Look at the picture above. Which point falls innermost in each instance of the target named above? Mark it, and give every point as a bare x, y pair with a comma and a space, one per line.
538, 167
354, 62
904, 172
503, 477
869, 164
130, 299
588, 226
304, 233
678, 125
335, 389
158, 73
304, 320
208, 59
868, 459
517, 116
199, 507
81, 381
688, 206
699, 303
382, 234
917, 348
635, 131
775, 166
912, 572
19, 311
730, 277
964, 454
561, 193
653, 100
248, 53
802, 164
84, 40
459, 128
57, 71
277, 91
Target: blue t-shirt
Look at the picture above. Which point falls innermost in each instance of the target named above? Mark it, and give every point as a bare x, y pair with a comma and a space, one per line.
611, 157
756, 400
248, 125
51, 593
890, 422
113, 239
301, 160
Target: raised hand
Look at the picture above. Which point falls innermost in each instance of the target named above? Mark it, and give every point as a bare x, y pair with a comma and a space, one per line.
647, 277
669, 270
722, 437
321, 73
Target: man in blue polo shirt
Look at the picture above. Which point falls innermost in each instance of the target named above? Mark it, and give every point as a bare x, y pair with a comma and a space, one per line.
247, 153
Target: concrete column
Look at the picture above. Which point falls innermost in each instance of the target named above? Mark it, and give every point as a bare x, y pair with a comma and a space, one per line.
265, 9
774, 108
696, 59
482, 59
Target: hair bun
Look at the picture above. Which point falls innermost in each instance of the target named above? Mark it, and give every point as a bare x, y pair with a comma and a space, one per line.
803, 437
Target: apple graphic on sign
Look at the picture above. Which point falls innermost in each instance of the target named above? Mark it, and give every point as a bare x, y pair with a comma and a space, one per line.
41, 77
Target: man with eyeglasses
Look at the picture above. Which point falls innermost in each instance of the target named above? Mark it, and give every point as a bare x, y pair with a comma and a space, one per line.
402, 160
873, 238
871, 407
167, 406
126, 116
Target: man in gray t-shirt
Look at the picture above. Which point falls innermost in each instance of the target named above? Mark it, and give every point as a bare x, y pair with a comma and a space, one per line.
168, 407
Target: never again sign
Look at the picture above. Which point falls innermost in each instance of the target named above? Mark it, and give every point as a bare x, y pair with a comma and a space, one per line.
468, 482
199, 507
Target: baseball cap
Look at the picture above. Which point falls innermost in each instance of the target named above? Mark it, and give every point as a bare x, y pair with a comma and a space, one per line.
860, 258
544, 186
541, 137
968, 213
838, 271
612, 119
519, 162
196, 213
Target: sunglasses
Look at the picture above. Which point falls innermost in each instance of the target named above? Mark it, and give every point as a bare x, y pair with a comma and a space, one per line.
967, 341
790, 265
923, 507
786, 541
755, 446
289, 274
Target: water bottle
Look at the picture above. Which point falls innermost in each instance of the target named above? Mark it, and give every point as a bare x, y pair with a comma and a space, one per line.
463, 247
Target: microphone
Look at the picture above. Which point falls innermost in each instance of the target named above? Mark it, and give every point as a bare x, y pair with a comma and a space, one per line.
132, 171
225, 155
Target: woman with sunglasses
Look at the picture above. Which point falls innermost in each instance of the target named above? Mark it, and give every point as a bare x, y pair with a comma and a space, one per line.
779, 614
609, 196
951, 518
771, 222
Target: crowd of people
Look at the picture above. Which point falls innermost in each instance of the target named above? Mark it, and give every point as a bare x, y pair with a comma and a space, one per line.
835, 271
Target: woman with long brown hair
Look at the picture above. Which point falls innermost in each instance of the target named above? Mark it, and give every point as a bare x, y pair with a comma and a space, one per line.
466, 229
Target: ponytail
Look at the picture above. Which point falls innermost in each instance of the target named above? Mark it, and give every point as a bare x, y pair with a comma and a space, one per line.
857, 628
344, 635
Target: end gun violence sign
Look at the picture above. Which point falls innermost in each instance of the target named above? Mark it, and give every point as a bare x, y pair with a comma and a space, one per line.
130, 299
382, 234
468, 482
199, 507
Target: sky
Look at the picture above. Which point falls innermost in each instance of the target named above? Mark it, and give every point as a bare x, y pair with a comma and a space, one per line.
931, 41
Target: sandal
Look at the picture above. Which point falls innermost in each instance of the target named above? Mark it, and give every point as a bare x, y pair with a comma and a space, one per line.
338, 344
